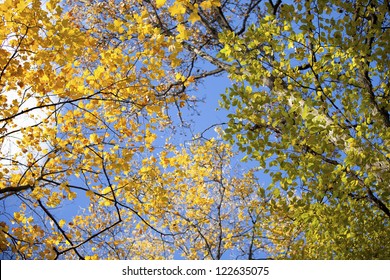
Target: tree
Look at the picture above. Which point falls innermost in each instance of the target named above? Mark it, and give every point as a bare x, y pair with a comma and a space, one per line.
80, 115
102, 81
312, 100
91, 112
194, 206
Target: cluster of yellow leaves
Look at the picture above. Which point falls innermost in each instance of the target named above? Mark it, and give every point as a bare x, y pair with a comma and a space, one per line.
97, 83
198, 185
85, 102
188, 196
105, 90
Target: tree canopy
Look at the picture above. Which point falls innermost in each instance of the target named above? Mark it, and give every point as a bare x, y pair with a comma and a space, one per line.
95, 93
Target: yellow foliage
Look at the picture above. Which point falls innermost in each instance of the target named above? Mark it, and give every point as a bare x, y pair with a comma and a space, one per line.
160, 3
94, 102
183, 32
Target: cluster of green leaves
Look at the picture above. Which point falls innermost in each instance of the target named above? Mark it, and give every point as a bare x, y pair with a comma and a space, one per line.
104, 85
312, 106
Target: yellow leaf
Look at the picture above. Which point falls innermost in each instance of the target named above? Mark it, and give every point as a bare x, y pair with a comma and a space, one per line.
18, 217
117, 23
61, 223
49, 6
107, 203
194, 17
93, 138
149, 138
183, 32
179, 77
99, 71
177, 9
89, 193
206, 5
71, 195
93, 257
160, 3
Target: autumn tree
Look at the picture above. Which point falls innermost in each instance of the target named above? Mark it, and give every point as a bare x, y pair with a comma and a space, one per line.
82, 105
89, 111
105, 84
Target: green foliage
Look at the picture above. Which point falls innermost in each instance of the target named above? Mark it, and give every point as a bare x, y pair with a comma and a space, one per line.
318, 112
